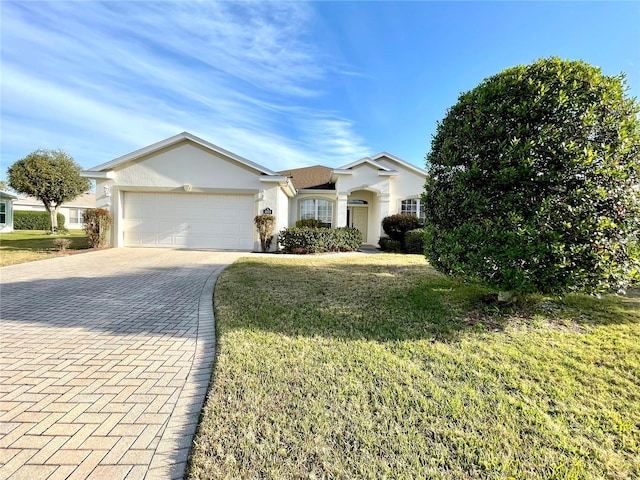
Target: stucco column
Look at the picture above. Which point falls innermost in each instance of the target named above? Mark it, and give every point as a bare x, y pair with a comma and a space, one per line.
382, 211
341, 210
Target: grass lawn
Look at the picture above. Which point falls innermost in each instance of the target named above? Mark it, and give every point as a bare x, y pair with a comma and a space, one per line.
28, 245
378, 367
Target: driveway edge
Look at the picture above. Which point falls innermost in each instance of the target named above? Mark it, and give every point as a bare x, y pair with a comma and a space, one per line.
172, 453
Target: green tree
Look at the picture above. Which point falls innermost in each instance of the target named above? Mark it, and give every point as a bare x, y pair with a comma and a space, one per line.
534, 181
52, 176
3, 186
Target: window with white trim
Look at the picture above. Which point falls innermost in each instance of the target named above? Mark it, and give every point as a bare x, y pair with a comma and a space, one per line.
413, 206
3, 213
76, 214
317, 209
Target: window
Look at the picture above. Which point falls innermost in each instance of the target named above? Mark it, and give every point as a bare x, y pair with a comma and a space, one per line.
3, 213
318, 210
413, 206
75, 215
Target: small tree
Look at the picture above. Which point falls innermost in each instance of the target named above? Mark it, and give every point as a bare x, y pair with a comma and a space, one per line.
97, 222
266, 225
52, 176
534, 181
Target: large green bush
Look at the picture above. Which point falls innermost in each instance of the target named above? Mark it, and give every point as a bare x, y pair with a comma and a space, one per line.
320, 240
30, 220
533, 181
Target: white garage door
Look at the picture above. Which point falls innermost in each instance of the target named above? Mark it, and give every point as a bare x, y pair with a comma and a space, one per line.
188, 220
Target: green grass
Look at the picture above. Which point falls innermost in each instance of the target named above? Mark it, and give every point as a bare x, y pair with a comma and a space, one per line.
29, 245
378, 367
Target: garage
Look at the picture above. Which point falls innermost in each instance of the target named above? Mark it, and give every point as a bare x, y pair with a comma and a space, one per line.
188, 220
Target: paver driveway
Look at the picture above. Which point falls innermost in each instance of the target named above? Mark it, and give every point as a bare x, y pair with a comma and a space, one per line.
105, 358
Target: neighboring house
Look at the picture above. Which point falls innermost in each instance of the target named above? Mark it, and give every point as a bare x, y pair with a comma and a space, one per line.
189, 193
72, 210
6, 211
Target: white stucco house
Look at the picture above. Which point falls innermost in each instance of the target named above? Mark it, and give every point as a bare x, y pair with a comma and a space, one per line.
72, 210
6, 211
185, 192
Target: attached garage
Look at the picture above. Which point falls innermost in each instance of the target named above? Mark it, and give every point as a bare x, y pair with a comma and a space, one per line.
184, 192
188, 220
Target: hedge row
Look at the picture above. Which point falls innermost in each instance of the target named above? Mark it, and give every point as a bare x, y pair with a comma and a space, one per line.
320, 240
414, 242
29, 220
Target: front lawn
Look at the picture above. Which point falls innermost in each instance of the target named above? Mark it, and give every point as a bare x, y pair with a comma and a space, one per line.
378, 367
28, 245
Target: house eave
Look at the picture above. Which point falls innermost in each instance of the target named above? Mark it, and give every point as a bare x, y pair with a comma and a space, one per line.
282, 181
7, 195
98, 175
316, 190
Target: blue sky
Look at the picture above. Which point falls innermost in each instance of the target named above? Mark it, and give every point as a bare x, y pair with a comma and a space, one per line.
285, 84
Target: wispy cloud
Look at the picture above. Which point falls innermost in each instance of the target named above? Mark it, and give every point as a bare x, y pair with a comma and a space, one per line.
102, 79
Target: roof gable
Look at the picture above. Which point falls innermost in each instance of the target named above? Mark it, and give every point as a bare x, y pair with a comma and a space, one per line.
175, 140
396, 161
365, 161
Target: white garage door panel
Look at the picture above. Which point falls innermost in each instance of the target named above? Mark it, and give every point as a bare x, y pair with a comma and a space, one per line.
188, 220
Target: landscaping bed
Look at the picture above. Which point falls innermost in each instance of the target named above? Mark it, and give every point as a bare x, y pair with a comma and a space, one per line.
377, 366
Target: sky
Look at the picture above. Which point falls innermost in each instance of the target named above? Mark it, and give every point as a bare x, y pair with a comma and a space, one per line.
283, 84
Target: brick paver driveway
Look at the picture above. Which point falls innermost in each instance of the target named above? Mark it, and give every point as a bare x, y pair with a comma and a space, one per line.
105, 358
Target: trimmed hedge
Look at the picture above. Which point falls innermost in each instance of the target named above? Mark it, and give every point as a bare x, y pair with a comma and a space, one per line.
310, 223
390, 245
414, 241
319, 240
397, 225
30, 220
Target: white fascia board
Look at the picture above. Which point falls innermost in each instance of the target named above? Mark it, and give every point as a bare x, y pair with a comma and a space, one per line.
8, 195
362, 161
273, 178
392, 173
282, 181
398, 160
316, 190
339, 172
177, 139
98, 175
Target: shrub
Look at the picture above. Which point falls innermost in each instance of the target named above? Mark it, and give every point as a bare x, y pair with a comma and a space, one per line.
320, 240
390, 245
266, 225
27, 220
397, 225
96, 226
62, 243
310, 223
414, 241
533, 181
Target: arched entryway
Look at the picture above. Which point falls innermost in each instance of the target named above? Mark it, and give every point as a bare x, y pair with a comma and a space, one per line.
359, 210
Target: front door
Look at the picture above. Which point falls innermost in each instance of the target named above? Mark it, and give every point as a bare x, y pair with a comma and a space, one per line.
359, 218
